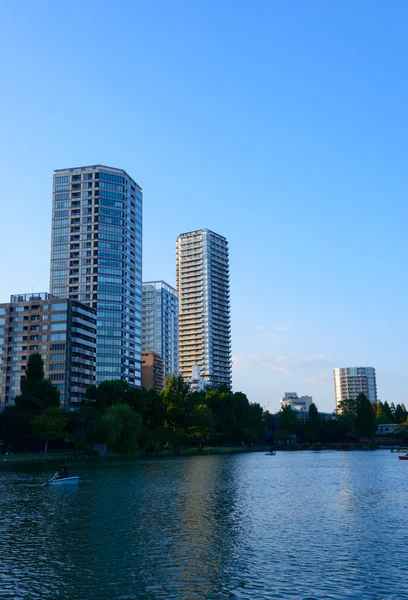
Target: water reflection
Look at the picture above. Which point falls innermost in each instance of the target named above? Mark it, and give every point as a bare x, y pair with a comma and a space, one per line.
295, 526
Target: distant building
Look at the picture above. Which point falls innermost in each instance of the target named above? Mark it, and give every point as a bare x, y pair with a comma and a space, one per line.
387, 428
152, 371
202, 265
160, 323
349, 382
63, 331
300, 404
196, 383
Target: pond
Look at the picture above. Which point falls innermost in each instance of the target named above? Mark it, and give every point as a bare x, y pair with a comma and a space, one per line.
298, 525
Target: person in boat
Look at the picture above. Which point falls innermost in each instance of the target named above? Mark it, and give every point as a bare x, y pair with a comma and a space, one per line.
57, 475
65, 473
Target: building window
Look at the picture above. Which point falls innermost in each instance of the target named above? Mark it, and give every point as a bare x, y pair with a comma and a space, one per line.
59, 306
58, 337
58, 327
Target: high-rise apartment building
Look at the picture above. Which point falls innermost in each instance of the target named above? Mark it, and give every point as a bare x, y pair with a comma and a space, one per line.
63, 331
351, 381
160, 323
96, 258
204, 306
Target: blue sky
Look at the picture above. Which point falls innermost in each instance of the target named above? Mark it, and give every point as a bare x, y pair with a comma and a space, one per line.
281, 125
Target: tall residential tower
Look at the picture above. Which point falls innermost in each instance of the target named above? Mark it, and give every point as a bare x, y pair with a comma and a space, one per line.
96, 258
351, 381
160, 323
204, 306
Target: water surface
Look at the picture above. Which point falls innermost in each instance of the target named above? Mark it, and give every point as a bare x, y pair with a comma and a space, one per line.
299, 525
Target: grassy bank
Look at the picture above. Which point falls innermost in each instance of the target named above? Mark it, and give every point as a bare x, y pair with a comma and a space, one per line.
65, 457
171, 452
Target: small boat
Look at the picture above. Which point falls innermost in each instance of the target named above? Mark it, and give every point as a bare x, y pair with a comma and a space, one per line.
64, 481
270, 453
405, 457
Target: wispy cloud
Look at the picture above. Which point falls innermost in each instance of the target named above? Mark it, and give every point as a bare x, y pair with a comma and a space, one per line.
273, 332
282, 327
281, 363
323, 378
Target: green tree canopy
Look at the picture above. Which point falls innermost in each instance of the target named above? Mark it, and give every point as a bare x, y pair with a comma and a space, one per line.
50, 425
202, 426
108, 393
288, 421
37, 393
348, 409
175, 397
365, 423
386, 413
123, 426
400, 413
313, 424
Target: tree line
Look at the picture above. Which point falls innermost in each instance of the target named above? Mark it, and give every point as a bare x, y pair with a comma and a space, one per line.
127, 418
355, 418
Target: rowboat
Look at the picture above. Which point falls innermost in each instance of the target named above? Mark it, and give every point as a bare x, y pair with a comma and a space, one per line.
405, 457
65, 481
270, 453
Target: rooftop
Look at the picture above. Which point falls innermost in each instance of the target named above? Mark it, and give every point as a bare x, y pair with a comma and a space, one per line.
71, 170
33, 297
161, 283
201, 231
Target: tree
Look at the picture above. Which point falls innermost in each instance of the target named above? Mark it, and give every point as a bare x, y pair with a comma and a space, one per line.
175, 397
386, 413
123, 426
222, 404
255, 420
108, 393
288, 422
348, 409
249, 436
400, 413
37, 393
50, 425
313, 424
202, 426
364, 424
335, 430
86, 427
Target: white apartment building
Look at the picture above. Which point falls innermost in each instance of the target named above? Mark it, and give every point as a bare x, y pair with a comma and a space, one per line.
292, 399
202, 264
349, 382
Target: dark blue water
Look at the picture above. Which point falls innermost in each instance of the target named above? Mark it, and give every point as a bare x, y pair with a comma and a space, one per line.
329, 525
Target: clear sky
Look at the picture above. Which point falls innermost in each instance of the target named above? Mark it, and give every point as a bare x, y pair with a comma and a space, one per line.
280, 125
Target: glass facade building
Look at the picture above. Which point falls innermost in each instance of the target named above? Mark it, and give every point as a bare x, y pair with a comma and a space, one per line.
96, 258
63, 331
160, 323
202, 261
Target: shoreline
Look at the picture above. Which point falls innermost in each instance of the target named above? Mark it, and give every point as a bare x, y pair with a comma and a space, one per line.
167, 453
